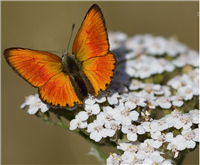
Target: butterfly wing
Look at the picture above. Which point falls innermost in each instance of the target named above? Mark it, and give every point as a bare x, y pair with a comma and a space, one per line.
36, 67
44, 70
59, 92
91, 48
100, 71
91, 39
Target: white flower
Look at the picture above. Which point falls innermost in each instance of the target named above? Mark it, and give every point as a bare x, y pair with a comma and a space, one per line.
177, 144
174, 47
177, 100
180, 81
172, 118
146, 148
100, 99
114, 159
132, 158
191, 137
195, 115
89, 110
155, 45
112, 99
132, 131
160, 138
135, 84
164, 102
112, 127
128, 147
109, 114
185, 122
159, 125
116, 39
134, 43
166, 90
35, 104
133, 100
186, 92
193, 58
167, 65
180, 61
146, 126
96, 130
150, 99
77, 123
90, 100
153, 160
126, 114
129, 68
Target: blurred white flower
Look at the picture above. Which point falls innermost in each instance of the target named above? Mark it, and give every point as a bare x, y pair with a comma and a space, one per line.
135, 84
167, 65
186, 92
194, 114
133, 99
164, 102
193, 58
177, 100
116, 38
174, 47
34, 104
155, 45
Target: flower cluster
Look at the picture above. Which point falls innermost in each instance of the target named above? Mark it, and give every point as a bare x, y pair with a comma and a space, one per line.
153, 74
142, 153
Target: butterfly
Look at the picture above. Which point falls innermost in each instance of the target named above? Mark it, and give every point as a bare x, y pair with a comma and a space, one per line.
67, 81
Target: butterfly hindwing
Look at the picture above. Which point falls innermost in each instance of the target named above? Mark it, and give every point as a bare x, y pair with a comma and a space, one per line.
59, 92
100, 71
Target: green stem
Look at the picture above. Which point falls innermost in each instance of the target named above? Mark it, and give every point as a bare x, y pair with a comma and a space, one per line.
178, 161
95, 147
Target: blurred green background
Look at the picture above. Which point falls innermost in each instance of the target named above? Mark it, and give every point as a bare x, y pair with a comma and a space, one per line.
47, 26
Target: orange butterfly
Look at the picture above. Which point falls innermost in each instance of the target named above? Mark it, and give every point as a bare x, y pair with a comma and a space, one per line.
66, 81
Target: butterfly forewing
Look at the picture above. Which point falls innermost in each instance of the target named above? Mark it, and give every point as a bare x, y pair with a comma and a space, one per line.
37, 67
91, 39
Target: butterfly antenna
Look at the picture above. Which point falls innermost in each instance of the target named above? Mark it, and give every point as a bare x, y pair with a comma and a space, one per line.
70, 37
